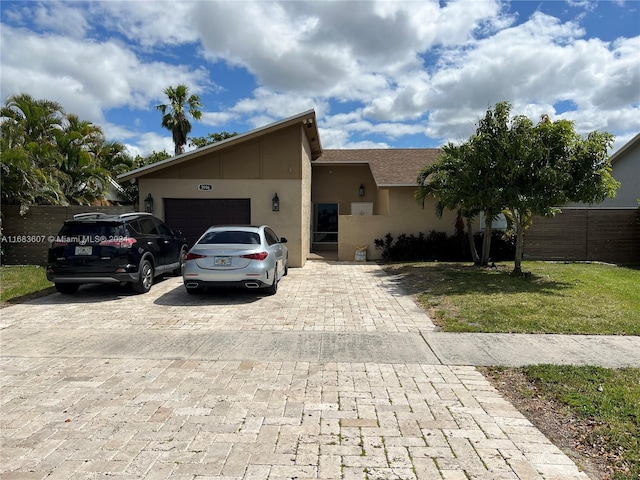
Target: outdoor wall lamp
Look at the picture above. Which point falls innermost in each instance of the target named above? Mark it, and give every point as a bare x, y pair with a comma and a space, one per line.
361, 190
275, 203
148, 204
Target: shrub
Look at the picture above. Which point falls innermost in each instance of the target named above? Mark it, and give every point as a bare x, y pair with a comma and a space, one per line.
437, 246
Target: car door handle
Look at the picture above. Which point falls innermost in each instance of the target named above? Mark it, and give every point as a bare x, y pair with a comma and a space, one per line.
149, 243
166, 242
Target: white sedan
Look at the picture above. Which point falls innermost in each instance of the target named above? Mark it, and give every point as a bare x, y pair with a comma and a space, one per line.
245, 257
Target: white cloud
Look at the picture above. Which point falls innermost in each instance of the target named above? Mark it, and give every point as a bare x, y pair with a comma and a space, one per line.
150, 142
60, 18
217, 119
51, 16
267, 106
536, 64
149, 24
86, 77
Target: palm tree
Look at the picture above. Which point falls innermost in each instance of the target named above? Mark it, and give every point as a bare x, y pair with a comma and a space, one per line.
50, 157
29, 154
174, 117
84, 178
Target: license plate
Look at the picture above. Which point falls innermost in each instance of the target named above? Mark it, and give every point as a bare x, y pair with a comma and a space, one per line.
82, 250
222, 261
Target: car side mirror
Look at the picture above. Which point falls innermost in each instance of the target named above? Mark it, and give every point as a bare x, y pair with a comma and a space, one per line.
176, 233
283, 240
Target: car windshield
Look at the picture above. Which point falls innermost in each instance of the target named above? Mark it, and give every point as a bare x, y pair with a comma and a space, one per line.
82, 229
226, 237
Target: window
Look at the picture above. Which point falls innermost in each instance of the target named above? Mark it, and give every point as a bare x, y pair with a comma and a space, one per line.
271, 237
162, 228
242, 238
148, 227
499, 223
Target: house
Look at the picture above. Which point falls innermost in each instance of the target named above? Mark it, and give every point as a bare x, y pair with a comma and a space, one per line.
626, 169
334, 201
279, 174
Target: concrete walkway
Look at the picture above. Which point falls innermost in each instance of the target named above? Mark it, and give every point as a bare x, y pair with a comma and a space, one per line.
338, 376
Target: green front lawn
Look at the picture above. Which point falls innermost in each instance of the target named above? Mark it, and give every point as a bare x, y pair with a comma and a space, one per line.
558, 298
22, 280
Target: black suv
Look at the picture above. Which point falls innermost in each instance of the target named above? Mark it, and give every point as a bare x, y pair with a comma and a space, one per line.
132, 248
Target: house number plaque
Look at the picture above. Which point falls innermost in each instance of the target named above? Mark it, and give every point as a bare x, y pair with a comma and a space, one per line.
205, 187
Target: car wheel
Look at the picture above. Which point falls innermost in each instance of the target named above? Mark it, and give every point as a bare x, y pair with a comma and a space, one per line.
286, 267
178, 271
145, 277
67, 288
273, 288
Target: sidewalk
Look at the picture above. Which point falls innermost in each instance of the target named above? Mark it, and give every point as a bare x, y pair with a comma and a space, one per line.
338, 376
430, 348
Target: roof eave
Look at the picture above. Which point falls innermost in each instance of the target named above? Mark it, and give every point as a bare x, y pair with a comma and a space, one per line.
613, 158
341, 162
389, 185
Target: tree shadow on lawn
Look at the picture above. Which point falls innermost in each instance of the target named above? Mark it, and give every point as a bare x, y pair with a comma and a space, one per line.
462, 279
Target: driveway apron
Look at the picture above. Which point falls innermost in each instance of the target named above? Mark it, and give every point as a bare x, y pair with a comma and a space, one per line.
331, 378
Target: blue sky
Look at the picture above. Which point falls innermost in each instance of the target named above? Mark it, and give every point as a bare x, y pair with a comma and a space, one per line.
378, 74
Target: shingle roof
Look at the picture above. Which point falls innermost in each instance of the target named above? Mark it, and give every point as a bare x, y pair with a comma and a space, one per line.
390, 167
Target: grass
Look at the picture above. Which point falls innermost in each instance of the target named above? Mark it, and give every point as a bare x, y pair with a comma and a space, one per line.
18, 281
606, 400
557, 298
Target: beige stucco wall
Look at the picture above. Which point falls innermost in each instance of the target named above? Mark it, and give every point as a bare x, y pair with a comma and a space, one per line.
395, 209
340, 183
277, 163
405, 216
305, 199
285, 222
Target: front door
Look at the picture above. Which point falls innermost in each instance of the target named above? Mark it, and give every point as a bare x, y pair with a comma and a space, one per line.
325, 225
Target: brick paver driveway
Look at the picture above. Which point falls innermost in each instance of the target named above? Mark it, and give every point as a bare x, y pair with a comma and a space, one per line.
328, 379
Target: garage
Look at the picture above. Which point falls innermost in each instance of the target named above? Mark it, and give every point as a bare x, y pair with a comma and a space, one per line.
262, 177
193, 216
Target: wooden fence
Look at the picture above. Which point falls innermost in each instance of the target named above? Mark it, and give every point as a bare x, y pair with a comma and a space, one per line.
605, 235
26, 238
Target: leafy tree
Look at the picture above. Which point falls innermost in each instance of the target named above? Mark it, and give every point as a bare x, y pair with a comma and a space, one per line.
131, 191
468, 178
551, 165
200, 142
485, 158
174, 116
523, 169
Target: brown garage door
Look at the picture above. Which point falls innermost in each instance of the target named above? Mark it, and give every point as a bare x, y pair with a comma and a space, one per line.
194, 216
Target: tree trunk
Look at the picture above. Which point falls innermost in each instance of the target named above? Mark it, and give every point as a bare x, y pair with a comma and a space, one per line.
472, 243
486, 241
517, 268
